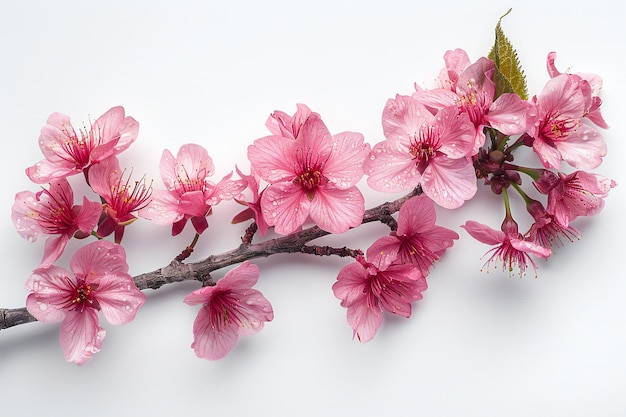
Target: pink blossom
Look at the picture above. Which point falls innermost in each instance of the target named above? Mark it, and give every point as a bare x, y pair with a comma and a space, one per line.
559, 130
68, 152
594, 82
100, 282
229, 309
254, 210
510, 248
546, 231
469, 88
571, 195
123, 197
313, 176
422, 148
189, 195
368, 289
52, 212
418, 240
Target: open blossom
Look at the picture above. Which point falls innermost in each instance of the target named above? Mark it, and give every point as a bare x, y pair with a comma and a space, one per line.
313, 176
510, 248
99, 282
52, 212
229, 309
559, 129
422, 148
571, 195
68, 152
418, 240
470, 89
123, 197
189, 195
367, 289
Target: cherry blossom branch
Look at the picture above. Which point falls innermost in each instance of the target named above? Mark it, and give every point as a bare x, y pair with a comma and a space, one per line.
178, 271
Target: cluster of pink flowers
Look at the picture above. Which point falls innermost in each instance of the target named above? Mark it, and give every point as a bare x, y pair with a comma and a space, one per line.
438, 142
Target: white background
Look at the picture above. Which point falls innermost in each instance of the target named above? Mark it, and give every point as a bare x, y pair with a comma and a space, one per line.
478, 344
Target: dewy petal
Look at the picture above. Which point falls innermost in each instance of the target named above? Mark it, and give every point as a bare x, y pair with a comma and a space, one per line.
456, 131
402, 117
211, 340
81, 336
257, 310
49, 288
285, 206
508, 114
193, 162
390, 168
345, 166
272, 158
583, 149
53, 249
25, 216
417, 215
113, 126
118, 297
163, 209
336, 210
449, 182
530, 247
549, 156
97, 259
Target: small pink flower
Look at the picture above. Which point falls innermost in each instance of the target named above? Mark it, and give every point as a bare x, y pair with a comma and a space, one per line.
470, 88
422, 148
368, 289
510, 248
577, 194
189, 195
68, 152
313, 176
559, 130
254, 210
229, 309
123, 197
52, 212
546, 231
418, 240
100, 282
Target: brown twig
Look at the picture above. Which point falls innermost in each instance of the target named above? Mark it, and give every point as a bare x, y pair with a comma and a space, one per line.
178, 271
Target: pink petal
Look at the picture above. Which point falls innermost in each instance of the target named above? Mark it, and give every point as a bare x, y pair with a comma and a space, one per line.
484, 233
285, 206
118, 297
449, 182
25, 216
416, 215
257, 311
81, 336
163, 209
402, 117
97, 259
390, 168
350, 284
336, 210
49, 289
193, 162
53, 249
192, 203
508, 114
272, 158
549, 156
241, 278
210, 341
383, 252
88, 215
345, 166
583, 149
530, 247
365, 321
457, 133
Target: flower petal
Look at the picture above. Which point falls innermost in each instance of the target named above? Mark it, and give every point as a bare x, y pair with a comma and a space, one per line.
81, 336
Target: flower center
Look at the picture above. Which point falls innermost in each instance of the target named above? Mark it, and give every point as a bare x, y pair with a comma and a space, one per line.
78, 149
423, 147
80, 296
309, 174
556, 128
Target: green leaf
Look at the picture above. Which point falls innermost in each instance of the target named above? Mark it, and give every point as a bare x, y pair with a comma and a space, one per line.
509, 76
